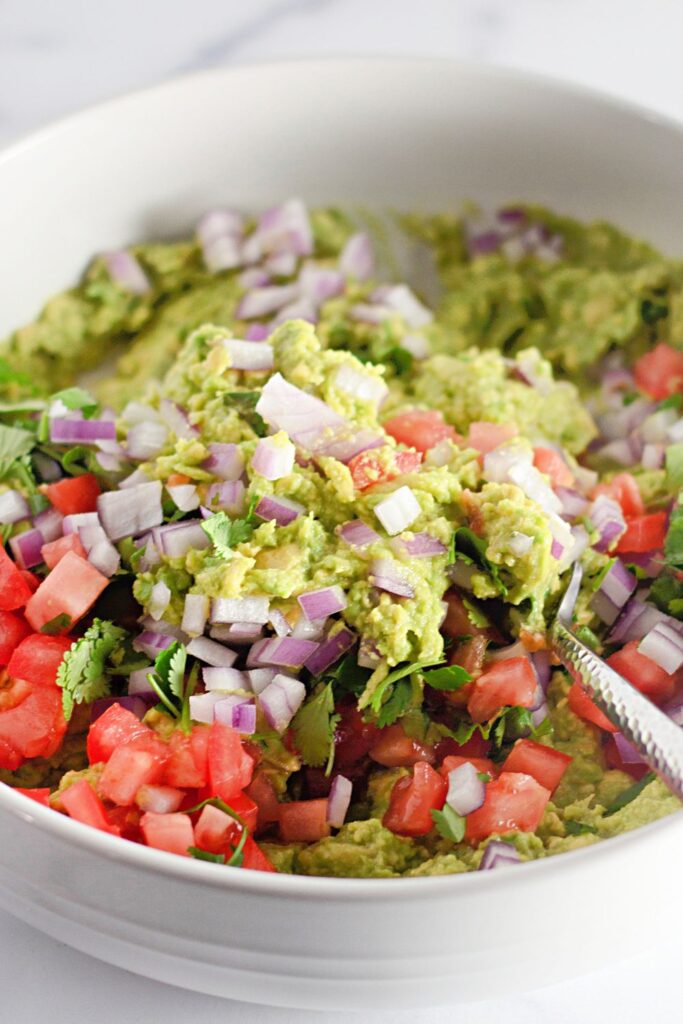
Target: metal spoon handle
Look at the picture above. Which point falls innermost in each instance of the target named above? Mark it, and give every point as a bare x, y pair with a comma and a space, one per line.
655, 737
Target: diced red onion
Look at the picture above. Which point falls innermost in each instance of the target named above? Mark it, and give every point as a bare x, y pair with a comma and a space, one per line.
237, 632
139, 412
176, 419
539, 714
282, 510
126, 272
129, 512
674, 709
330, 651
390, 576
240, 609
303, 417
226, 461
346, 446
357, 533
104, 557
483, 244
520, 544
13, 507
26, 548
147, 623
285, 228
259, 678
338, 800
627, 752
514, 650
79, 520
461, 574
301, 309
281, 700
50, 522
534, 485
48, 469
253, 277
159, 600
67, 431
318, 604
224, 253
368, 654
146, 440
618, 424
227, 496
137, 705
138, 683
137, 477
211, 652
218, 223
402, 300
318, 284
224, 677
367, 313
653, 456
285, 651
195, 614
664, 646
617, 586
309, 629
417, 345
273, 458
151, 556
626, 452
606, 516
466, 791
279, 623
359, 384
244, 719
357, 258
182, 538
573, 503
249, 355
398, 511
152, 643
260, 302
184, 496
202, 706
499, 462
498, 855
674, 434
282, 264
654, 429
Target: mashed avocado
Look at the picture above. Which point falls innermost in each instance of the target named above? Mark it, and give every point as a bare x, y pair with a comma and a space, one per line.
429, 471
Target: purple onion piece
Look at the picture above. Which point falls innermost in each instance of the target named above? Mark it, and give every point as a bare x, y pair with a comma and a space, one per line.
338, 800
498, 854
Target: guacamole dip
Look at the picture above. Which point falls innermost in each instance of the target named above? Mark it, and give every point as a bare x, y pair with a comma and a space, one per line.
284, 536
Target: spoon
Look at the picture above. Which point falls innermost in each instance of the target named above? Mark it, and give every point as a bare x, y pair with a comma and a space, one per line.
657, 739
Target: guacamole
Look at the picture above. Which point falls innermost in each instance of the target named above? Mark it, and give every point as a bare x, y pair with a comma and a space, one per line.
277, 585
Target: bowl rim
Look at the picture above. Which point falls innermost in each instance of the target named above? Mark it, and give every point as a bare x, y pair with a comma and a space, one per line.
112, 848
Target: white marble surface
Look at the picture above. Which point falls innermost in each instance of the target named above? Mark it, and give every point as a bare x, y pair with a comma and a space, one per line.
59, 55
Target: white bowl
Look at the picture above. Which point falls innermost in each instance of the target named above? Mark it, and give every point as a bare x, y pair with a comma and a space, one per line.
415, 134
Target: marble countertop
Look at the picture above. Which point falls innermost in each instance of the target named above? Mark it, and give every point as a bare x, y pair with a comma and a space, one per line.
56, 57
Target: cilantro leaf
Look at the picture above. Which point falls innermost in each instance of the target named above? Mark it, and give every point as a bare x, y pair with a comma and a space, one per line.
246, 402
398, 703
401, 359
672, 402
77, 398
225, 533
82, 674
673, 544
449, 824
8, 375
58, 625
237, 858
667, 594
176, 671
674, 466
172, 684
630, 794
471, 549
14, 444
579, 828
378, 697
348, 675
449, 677
313, 727
214, 858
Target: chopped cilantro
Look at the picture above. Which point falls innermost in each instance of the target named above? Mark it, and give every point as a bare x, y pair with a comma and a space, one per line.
313, 726
246, 402
673, 545
213, 858
667, 593
237, 858
399, 701
449, 677
483, 776
60, 624
15, 443
630, 794
449, 824
83, 672
651, 311
471, 549
8, 375
348, 675
399, 358
672, 402
674, 466
77, 398
579, 828
172, 685
225, 533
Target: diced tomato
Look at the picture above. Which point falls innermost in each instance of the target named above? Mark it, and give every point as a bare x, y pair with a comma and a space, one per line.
419, 428
644, 673
623, 489
353, 737
394, 749
509, 682
550, 462
659, 373
643, 534
187, 766
261, 791
482, 764
160, 799
254, 857
176, 479
584, 706
412, 801
476, 746
377, 465
514, 802
126, 821
83, 804
247, 809
458, 622
70, 589
543, 763
14, 590
32, 581
126, 771
37, 658
41, 796
486, 436
230, 767
304, 821
117, 727
55, 550
170, 832
13, 629
470, 655
214, 829
74, 494
32, 722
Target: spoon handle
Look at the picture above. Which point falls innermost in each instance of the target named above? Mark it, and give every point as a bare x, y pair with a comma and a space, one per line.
656, 738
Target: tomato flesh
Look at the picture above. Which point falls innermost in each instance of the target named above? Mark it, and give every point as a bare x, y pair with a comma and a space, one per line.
117, 727
230, 767
74, 494
261, 791
14, 589
40, 795
645, 674
254, 857
304, 821
394, 749
543, 763
659, 372
381, 464
70, 589
586, 708
509, 682
514, 802
83, 804
453, 761
484, 436
550, 462
170, 832
412, 801
126, 771
624, 489
420, 429
643, 534
13, 629
54, 551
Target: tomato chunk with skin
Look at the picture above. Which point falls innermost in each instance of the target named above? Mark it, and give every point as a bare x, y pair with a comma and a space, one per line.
643, 534
126, 771
509, 682
214, 829
32, 722
38, 657
381, 464
420, 429
170, 832
230, 767
394, 749
70, 589
261, 791
543, 763
83, 804
482, 764
40, 795
254, 857
13, 629
585, 707
74, 494
484, 436
412, 801
514, 802
187, 765
624, 489
304, 821
117, 727
54, 551
644, 673
14, 590
659, 372
550, 462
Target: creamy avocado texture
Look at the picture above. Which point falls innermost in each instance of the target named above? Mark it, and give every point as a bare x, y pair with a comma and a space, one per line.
511, 344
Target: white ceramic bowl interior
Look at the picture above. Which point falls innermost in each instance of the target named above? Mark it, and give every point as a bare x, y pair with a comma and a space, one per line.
413, 134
